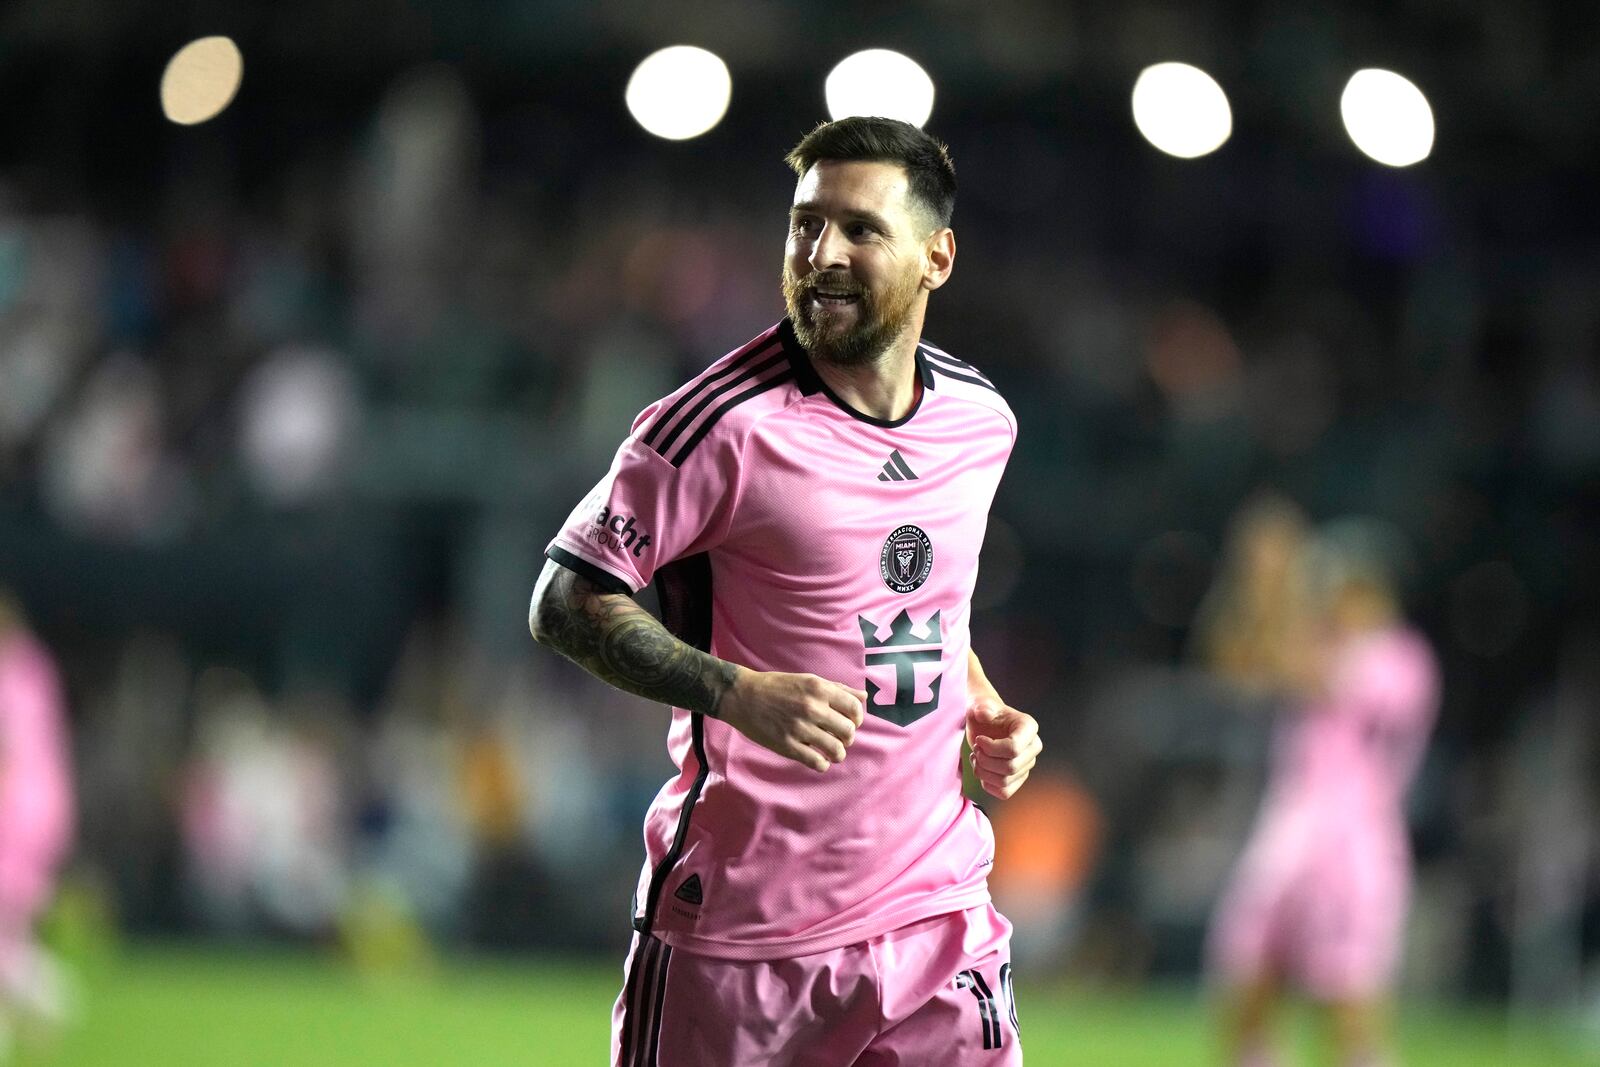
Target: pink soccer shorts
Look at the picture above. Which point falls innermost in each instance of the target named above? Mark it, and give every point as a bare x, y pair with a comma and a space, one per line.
1333, 926
935, 993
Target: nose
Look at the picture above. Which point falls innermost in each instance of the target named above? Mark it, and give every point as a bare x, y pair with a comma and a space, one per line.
829, 252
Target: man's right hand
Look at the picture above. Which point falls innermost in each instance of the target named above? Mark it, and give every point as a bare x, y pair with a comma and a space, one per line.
800, 716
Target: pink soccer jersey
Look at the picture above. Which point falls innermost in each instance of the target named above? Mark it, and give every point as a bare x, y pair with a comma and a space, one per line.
1352, 754
788, 532
1321, 891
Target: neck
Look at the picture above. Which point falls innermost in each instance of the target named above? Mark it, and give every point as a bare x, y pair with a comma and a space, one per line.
886, 388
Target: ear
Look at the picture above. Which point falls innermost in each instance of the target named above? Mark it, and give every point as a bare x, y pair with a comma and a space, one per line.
939, 255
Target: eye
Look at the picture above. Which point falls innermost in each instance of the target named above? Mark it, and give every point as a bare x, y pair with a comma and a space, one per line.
803, 225
858, 230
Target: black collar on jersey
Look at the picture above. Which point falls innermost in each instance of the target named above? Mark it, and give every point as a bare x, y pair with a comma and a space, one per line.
810, 382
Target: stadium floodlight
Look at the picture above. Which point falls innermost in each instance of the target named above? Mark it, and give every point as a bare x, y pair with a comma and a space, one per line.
1181, 110
1387, 117
200, 80
679, 92
880, 82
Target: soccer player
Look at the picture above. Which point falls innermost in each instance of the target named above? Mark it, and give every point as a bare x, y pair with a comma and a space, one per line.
35, 823
1318, 899
811, 507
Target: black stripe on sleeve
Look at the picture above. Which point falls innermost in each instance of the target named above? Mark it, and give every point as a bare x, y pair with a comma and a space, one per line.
984, 382
666, 417
944, 357
737, 399
607, 581
949, 362
709, 398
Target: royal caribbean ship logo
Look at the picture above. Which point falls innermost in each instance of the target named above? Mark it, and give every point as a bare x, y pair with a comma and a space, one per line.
907, 648
906, 559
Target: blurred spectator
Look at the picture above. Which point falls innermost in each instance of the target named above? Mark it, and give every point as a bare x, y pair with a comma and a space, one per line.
130, 748
299, 410
415, 846
109, 470
263, 819
1557, 845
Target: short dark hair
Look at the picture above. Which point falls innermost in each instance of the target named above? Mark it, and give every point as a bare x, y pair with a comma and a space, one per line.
929, 171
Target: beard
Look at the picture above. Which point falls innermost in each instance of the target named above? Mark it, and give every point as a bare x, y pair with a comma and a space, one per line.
879, 320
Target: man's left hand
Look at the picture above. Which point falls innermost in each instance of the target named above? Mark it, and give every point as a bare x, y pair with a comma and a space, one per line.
1005, 745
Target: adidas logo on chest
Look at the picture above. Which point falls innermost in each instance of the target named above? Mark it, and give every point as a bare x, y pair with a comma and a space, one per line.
896, 469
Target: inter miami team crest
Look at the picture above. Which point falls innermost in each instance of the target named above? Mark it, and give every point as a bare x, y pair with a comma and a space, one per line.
906, 559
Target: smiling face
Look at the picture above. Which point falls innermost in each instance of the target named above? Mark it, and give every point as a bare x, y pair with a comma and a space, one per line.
857, 266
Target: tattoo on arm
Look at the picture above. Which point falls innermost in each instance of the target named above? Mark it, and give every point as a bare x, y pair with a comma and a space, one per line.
617, 641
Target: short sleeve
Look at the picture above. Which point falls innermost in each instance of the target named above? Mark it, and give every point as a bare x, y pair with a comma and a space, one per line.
646, 512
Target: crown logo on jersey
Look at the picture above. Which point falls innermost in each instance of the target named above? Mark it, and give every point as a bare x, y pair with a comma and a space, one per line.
907, 647
902, 631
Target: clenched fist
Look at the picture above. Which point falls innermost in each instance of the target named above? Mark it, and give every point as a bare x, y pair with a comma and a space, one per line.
805, 718
1005, 745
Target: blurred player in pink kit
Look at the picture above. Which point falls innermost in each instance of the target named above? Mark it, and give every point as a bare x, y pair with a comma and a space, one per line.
811, 509
35, 820
1318, 900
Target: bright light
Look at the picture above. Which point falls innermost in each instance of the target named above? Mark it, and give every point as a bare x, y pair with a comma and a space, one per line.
200, 80
679, 92
1387, 117
880, 82
1181, 110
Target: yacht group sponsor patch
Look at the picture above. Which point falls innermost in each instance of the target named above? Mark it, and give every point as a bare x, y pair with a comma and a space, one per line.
906, 559
613, 529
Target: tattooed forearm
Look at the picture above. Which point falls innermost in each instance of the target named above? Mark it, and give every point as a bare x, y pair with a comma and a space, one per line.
619, 642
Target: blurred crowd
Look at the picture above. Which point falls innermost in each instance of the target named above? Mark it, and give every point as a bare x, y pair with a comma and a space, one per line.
280, 450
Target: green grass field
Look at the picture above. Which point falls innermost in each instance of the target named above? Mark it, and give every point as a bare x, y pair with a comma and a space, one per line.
172, 1007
